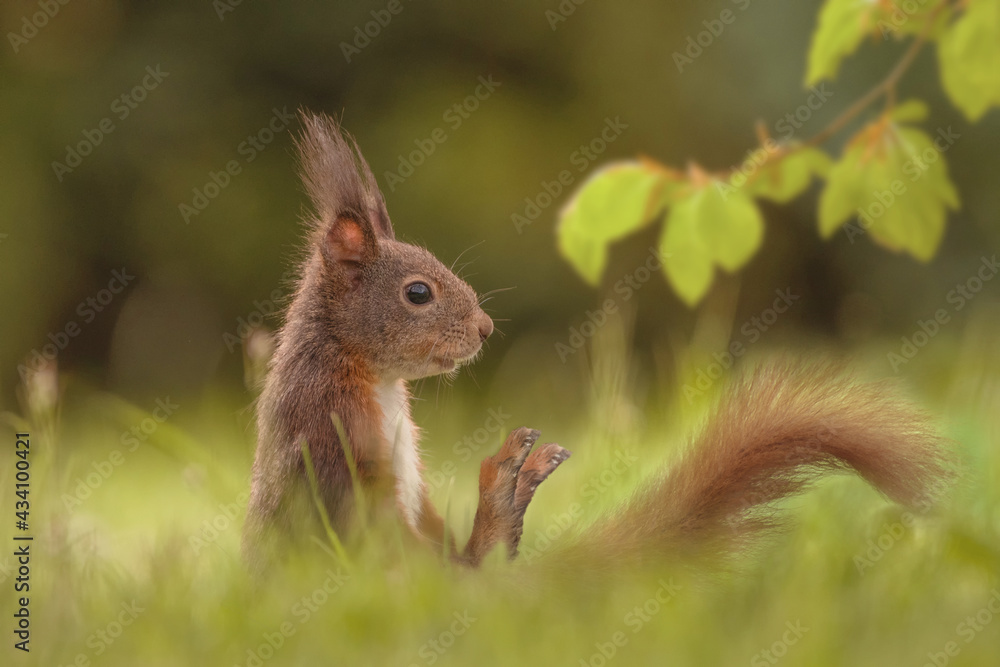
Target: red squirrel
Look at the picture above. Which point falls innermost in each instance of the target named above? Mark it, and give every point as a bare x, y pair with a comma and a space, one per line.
370, 313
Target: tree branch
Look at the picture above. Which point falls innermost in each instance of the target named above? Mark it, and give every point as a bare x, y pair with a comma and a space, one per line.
885, 87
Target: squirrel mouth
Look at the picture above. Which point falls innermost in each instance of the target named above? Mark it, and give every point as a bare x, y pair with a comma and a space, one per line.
448, 364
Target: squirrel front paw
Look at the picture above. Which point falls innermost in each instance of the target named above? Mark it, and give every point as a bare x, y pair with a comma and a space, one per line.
508, 479
537, 467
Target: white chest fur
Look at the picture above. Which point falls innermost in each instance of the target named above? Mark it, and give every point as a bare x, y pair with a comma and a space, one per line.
399, 432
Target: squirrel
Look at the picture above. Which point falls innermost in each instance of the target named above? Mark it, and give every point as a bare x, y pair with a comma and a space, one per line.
370, 313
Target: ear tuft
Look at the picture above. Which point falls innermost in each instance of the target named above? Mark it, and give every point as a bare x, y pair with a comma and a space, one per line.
337, 177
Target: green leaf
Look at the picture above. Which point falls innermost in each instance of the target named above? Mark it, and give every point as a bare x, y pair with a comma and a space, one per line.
687, 260
898, 20
920, 226
969, 54
894, 182
672, 187
842, 25
730, 223
785, 179
716, 224
846, 184
910, 111
611, 204
587, 255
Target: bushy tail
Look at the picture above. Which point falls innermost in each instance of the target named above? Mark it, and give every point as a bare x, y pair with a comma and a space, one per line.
774, 431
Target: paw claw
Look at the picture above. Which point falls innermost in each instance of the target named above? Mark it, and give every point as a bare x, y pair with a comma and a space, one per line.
506, 496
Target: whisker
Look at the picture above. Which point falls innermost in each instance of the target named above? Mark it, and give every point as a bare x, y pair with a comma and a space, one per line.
473, 376
487, 296
474, 245
433, 347
497, 291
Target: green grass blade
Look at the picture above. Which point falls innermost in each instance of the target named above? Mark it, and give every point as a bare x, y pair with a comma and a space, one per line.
331, 534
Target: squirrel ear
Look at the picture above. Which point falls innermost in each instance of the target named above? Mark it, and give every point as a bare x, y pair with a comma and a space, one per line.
337, 177
349, 244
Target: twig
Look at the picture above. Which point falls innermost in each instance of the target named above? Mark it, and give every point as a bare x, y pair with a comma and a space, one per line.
885, 87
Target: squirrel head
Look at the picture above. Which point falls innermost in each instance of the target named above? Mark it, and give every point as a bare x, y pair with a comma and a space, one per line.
390, 303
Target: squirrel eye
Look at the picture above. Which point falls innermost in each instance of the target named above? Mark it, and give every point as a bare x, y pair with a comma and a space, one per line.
418, 293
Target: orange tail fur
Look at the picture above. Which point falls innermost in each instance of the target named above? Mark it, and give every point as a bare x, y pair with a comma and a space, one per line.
774, 431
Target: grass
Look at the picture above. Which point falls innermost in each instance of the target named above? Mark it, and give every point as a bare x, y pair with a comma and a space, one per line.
145, 570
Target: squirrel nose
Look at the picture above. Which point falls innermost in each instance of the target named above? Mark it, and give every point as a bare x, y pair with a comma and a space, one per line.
485, 328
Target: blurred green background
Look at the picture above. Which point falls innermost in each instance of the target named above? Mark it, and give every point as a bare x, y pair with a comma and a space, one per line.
120, 206
221, 78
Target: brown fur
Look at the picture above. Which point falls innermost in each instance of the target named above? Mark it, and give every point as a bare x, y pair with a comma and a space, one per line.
349, 333
774, 431
350, 330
